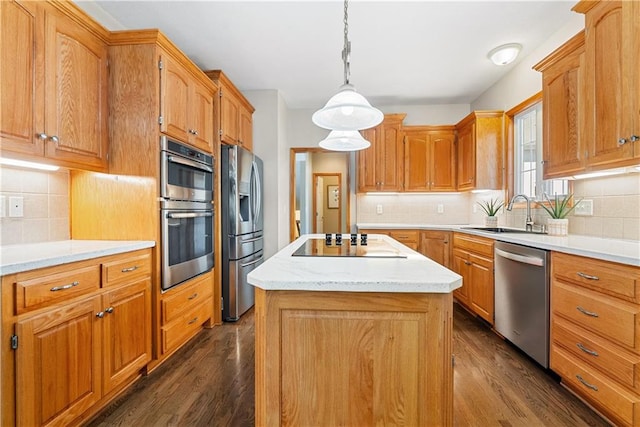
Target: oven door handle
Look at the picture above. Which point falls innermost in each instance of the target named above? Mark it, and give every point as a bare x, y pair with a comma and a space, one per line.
189, 215
188, 162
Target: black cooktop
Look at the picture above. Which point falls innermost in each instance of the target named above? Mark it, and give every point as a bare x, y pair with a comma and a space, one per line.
348, 248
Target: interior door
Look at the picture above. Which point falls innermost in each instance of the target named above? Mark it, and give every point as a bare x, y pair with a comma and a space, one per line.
318, 203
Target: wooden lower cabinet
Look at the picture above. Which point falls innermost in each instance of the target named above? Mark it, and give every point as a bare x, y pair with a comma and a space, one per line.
73, 354
595, 333
473, 260
343, 358
435, 245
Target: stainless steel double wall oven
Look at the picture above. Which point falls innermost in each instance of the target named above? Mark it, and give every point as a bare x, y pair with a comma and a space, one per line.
186, 212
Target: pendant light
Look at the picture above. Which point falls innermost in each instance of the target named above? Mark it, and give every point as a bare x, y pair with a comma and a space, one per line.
347, 110
344, 140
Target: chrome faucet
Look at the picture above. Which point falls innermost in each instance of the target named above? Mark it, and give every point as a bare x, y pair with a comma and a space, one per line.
529, 220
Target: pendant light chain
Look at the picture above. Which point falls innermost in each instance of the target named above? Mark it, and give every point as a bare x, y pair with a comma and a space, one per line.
346, 51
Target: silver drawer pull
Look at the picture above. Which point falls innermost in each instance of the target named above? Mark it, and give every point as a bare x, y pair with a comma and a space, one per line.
192, 321
193, 296
127, 270
587, 276
62, 288
591, 386
588, 313
586, 350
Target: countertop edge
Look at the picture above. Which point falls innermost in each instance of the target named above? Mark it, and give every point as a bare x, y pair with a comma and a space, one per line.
109, 248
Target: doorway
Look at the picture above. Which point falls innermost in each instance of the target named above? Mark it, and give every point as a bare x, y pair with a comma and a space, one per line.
315, 168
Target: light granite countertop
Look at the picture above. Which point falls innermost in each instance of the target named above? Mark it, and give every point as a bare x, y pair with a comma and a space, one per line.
616, 250
415, 273
19, 258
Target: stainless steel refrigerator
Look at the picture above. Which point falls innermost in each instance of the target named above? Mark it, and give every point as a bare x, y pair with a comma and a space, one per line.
242, 220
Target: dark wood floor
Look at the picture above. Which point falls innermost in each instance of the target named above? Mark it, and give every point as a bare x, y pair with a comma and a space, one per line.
210, 382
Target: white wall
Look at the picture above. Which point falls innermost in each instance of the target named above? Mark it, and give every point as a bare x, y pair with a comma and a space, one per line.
445, 114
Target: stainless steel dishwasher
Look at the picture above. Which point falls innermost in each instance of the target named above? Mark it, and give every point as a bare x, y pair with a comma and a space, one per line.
522, 298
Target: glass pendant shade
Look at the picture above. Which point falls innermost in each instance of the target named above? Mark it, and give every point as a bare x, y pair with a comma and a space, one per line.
344, 140
347, 110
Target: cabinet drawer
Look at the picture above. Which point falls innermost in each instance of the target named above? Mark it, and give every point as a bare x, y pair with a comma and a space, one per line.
476, 244
621, 281
613, 319
46, 290
405, 237
616, 363
617, 403
126, 270
185, 326
184, 299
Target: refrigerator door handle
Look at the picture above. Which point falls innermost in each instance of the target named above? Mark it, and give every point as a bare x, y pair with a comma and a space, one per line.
257, 193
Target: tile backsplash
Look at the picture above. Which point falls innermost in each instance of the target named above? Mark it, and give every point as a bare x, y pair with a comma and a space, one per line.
46, 205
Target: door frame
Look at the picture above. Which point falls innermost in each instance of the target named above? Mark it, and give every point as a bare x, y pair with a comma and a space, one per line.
292, 187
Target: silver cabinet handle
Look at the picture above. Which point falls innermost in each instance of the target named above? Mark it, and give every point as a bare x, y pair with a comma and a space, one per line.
587, 276
43, 136
591, 386
108, 310
588, 313
622, 141
64, 287
100, 314
586, 350
192, 321
194, 296
467, 263
634, 138
127, 270
54, 139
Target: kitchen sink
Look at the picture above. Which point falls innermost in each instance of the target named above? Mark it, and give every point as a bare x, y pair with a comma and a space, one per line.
503, 230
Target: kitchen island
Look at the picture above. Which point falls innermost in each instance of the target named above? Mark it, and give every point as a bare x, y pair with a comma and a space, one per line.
353, 340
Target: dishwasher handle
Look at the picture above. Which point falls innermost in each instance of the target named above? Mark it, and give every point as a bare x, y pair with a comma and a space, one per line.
525, 259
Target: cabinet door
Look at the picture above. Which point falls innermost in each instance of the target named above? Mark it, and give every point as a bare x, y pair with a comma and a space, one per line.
174, 99
466, 157
229, 110
58, 364
562, 85
127, 332
461, 265
390, 158
367, 180
417, 161
201, 117
75, 93
607, 83
482, 289
21, 77
246, 129
442, 165
435, 245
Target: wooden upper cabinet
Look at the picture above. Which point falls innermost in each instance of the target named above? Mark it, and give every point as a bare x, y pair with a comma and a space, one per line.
429, 158
47, 110
380, 167
612, 82
479, 151
562, 98
186, 106
234, 118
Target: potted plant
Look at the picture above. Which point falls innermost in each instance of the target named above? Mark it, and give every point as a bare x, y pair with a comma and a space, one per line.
558, 223
491, 208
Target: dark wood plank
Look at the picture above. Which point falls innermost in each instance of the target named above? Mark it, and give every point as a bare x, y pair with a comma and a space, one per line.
210, 382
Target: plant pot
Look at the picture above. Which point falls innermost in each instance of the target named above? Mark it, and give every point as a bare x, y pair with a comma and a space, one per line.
557, 227
491, 221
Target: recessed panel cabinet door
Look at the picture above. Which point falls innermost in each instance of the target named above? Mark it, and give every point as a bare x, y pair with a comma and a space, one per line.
466, 158
202, 117
443, 161
175, 99
58, 364
75, 93
229, 119
417, 170
367, 180
21, 112
127, 332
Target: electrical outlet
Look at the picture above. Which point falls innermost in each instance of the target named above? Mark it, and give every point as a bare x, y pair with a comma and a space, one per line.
440, 208
3, 206
379, 209
16, 207
584, 208
475, 208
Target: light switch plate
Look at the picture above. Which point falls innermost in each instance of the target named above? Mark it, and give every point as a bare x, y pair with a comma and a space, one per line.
584, 208
16, 207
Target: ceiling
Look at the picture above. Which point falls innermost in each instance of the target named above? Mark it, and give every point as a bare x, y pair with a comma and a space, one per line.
403, 52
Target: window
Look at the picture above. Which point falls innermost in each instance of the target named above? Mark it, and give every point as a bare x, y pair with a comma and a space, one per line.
527, 161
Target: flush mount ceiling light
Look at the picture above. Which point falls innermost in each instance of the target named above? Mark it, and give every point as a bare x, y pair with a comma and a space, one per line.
347, 110
505, 54
344, 140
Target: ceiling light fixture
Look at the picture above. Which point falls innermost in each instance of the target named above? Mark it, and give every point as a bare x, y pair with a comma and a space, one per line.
344, 140
505, 54
347, 110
